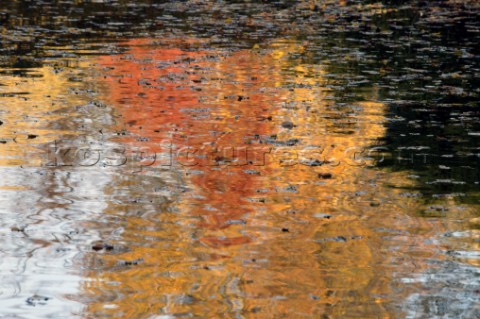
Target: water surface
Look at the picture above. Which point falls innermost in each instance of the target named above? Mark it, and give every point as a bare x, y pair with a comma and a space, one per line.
282, 160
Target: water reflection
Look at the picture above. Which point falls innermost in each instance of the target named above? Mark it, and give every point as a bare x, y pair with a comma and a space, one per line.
285, 178
217, 238
45, 208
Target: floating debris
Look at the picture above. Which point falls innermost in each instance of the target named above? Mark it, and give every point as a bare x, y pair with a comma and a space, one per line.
37, 300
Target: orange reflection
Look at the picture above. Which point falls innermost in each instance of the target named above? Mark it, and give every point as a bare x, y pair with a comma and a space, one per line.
212, 109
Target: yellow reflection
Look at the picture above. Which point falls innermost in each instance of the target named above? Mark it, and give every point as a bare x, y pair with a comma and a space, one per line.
33, 104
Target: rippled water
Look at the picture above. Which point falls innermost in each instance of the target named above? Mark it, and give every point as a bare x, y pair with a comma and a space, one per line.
205, 160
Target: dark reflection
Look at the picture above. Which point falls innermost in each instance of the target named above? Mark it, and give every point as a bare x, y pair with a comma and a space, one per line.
32, 30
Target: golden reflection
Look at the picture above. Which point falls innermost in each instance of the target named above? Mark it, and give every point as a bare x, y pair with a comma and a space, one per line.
301, 235
34, 104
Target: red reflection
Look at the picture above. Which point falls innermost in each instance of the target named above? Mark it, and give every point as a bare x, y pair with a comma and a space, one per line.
210, 107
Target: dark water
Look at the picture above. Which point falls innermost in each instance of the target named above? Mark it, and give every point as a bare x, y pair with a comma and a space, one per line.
286, 159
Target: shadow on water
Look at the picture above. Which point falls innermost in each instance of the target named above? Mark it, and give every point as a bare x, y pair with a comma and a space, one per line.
363, 202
